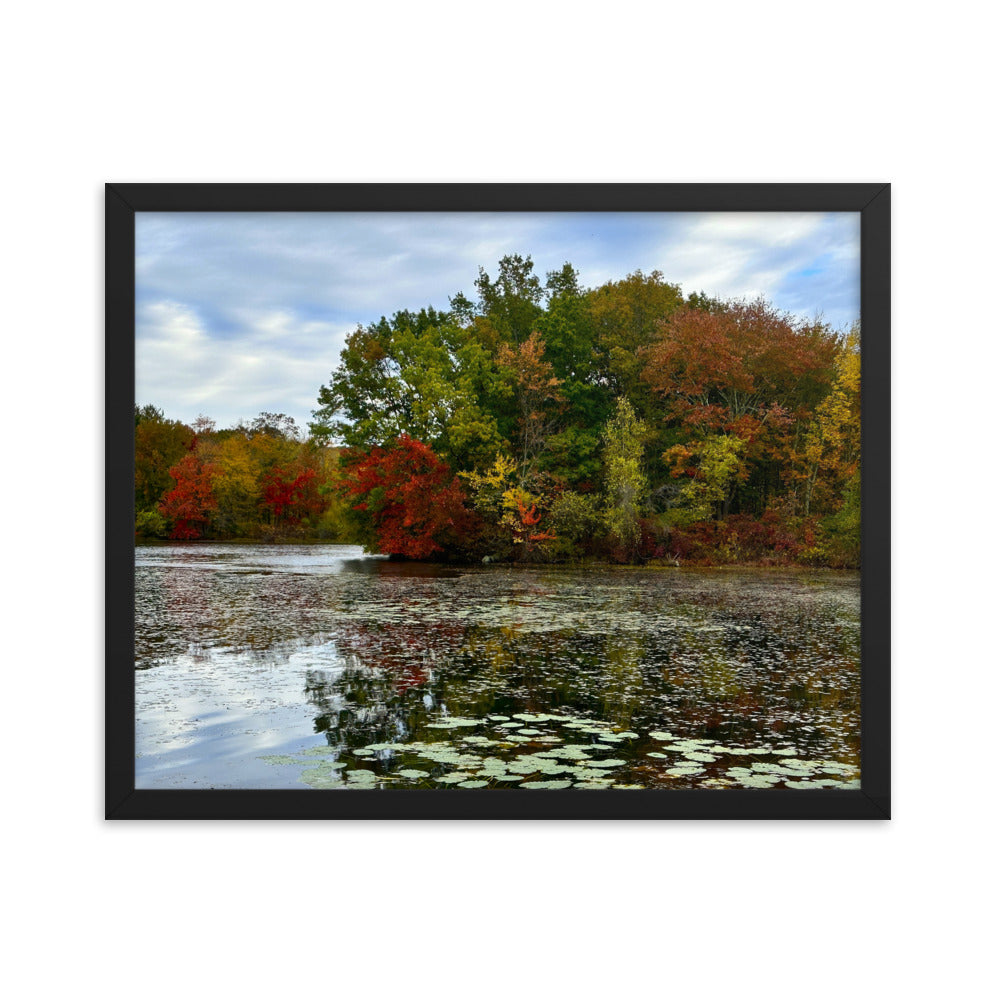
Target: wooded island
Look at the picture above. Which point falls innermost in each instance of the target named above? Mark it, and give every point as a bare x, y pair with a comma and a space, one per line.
544, 422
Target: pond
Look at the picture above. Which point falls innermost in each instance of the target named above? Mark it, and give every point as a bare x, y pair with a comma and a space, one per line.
315, 666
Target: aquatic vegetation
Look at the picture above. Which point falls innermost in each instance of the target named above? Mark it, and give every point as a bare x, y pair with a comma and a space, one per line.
593, 777
362, 775
681, 771
455, 778
321, 777
421, 676
453, 723
684, 760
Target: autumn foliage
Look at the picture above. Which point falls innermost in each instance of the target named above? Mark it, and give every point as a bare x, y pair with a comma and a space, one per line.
734, 369
190, 503
415, 502
546, 422
256, 480
291, 494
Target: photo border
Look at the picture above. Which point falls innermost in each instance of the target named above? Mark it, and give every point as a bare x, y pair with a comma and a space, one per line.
124, 801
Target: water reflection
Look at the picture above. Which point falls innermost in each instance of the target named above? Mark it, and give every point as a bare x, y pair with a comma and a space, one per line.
341, 671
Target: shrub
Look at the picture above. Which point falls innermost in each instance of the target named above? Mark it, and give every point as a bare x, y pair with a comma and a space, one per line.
576, 521
766, 541
150, 524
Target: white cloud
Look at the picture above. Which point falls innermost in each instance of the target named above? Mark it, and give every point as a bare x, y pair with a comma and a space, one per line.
275, 362
742, 254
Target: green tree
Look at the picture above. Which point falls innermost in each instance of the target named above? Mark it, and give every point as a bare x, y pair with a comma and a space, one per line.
625, 485
573, 453
423, 375
512, 303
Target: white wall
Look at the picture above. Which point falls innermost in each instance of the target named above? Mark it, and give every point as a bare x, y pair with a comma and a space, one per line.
318, 91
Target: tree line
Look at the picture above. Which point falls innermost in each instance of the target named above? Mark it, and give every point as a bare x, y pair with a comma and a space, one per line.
545, 421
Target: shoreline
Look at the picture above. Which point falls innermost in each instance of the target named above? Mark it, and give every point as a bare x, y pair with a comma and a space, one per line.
652, 564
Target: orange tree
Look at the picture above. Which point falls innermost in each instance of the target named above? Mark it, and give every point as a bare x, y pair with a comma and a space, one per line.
745, 371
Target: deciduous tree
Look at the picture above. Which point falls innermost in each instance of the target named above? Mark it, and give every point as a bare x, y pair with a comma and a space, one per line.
159, 444
414, 501
625, 484
189, 505
537, 394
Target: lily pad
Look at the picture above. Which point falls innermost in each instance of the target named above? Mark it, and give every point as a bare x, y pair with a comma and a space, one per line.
592, 777
453, 779
684, 772
759, 781
321, 777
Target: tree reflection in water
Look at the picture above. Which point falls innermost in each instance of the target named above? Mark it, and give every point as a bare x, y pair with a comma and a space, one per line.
388, 654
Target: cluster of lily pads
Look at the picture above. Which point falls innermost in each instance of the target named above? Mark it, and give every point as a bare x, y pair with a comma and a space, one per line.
791, 771
550, 751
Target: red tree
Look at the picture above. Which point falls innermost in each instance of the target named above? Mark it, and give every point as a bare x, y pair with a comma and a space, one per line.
190, 503
291, 494
416, 503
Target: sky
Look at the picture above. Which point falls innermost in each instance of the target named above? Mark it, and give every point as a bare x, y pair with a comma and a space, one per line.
239, 313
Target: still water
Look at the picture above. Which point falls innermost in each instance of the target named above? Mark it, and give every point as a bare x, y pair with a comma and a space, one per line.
318, 667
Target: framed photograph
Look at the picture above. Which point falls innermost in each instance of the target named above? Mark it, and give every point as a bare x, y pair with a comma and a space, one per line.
498, 501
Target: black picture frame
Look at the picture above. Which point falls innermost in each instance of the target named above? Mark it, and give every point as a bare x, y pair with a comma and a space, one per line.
124, 801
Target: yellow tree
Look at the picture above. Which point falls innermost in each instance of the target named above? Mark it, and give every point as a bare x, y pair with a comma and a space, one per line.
236, 485
832, 447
